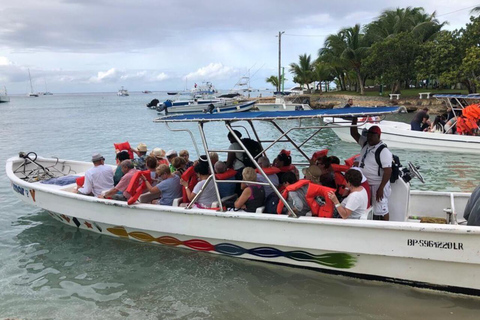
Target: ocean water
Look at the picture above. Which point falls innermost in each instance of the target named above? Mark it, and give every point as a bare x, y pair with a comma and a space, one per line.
52, 271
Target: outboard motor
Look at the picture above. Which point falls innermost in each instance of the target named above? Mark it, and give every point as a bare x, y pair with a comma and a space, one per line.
152, 104
210, 108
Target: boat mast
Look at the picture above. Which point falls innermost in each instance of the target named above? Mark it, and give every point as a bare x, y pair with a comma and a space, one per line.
30, 77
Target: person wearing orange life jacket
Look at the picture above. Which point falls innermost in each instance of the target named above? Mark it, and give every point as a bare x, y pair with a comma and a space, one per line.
302, 196
169, 188
119, 191
159, 154
284, 162
355, 205
271, 172
224, 173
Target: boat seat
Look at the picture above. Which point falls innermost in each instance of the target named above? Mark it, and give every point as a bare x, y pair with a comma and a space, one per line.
368, 215
176, 202
224, 199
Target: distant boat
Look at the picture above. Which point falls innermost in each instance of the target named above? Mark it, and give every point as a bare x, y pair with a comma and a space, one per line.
4, 96
47, 93
172, 93
146, 91
123, 92
31, 93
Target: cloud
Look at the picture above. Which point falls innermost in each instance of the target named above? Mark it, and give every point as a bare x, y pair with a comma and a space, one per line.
211, 72
4, 61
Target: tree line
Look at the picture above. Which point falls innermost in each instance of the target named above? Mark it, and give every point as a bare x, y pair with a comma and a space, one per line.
401, 48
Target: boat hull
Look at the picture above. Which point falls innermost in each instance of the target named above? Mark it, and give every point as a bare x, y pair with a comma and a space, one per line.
398, 135
400, 251
219, 107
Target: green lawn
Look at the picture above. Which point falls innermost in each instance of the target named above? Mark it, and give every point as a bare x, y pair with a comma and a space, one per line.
404, 93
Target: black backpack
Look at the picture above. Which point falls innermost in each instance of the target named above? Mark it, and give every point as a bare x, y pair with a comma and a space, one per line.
254, 147
395, 164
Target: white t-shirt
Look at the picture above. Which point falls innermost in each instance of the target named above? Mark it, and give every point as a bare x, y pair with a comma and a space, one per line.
370, 168
208, 195
97, 179
357, 202
237, 163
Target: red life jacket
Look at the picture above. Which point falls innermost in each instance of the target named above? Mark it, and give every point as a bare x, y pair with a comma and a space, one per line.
124, 146
190, 176
314, 190
349, 162
472, 111
269, 171
319, 154
80, 181
137, 185
366, 186
226, 175
340, 182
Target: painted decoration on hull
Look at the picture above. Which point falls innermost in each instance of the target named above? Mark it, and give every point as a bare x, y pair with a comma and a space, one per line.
334, 260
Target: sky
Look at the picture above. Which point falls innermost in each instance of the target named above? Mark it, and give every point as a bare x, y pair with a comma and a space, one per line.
73, 46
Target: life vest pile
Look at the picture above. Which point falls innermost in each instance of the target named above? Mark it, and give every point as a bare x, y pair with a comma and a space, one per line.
137, 185
466, 126
313, 191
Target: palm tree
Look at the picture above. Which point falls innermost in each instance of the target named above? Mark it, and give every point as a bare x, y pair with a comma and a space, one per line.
393, 22
273, 80
355, 51
303, 71
331, 54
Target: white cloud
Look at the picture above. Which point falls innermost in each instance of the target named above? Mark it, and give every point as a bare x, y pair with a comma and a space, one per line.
108, 76
4, 61
211, 72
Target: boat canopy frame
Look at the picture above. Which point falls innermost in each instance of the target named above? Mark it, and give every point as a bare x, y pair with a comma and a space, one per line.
271, 117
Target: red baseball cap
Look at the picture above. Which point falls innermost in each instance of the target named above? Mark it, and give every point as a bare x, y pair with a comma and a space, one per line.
375, 130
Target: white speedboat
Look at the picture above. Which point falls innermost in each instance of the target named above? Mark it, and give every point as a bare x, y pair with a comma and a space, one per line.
123, 92
204, 106
399, 135
440, 256
281, 105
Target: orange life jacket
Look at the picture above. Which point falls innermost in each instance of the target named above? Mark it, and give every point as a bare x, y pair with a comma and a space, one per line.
472, 111
190, 176
80, 181
466, 126
137, 185
340, 182
314, 190
163, 161
124, 146
226, 175
270, 170
349, 162
319, 154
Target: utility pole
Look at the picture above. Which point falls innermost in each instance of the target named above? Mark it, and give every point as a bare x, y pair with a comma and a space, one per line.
280, 60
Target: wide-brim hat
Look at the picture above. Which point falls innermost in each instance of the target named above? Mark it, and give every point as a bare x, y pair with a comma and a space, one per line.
312, 173
158, 153
142, 147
